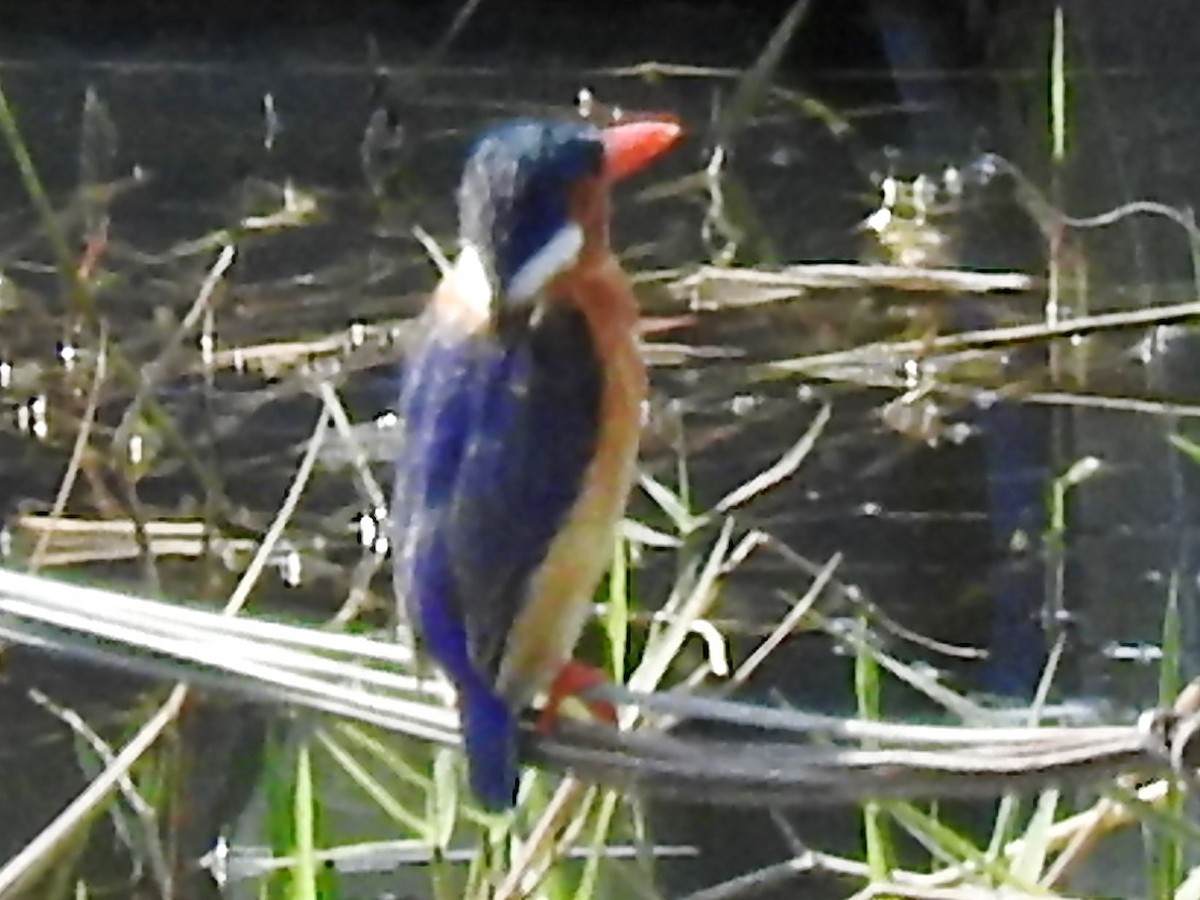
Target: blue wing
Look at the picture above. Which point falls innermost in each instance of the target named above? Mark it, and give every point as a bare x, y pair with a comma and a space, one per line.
499, 432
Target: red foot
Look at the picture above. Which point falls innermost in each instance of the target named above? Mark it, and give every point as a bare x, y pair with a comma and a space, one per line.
573, 679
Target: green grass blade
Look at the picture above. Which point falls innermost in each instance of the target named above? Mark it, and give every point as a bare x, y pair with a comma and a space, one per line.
880, 855
304, 867
1030, 863
616, 619
380, 795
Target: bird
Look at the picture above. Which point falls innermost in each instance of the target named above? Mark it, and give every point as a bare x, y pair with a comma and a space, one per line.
521, 410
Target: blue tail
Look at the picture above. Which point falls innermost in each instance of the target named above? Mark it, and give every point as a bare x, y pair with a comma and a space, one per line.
490, 734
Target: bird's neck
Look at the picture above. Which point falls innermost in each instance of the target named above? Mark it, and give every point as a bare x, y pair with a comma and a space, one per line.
601, 290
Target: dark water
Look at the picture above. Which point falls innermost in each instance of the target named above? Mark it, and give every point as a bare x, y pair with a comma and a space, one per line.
927, 533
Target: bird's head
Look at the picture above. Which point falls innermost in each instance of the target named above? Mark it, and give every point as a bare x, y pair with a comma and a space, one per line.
533, 203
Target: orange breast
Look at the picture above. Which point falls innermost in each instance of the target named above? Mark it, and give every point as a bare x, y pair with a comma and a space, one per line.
554, 614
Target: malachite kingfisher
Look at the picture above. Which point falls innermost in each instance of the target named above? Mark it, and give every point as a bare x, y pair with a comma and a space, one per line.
521, 411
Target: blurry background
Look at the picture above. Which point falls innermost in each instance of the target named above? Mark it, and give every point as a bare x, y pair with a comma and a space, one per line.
943, 506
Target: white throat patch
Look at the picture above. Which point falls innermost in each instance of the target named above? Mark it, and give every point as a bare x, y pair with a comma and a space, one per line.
556, 255
472, 284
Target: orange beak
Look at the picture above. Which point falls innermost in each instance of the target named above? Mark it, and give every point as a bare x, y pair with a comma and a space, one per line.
631, 146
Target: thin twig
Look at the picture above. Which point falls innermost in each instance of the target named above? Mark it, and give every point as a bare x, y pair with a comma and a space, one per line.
82, 437
892, 352
31, 861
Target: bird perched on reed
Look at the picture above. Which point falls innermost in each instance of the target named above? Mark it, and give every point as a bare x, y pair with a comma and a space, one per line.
521, 411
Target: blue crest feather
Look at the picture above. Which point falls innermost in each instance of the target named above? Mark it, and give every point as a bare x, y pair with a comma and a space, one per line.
514, 189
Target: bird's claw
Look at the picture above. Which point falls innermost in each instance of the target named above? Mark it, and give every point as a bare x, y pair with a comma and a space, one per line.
573, 680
